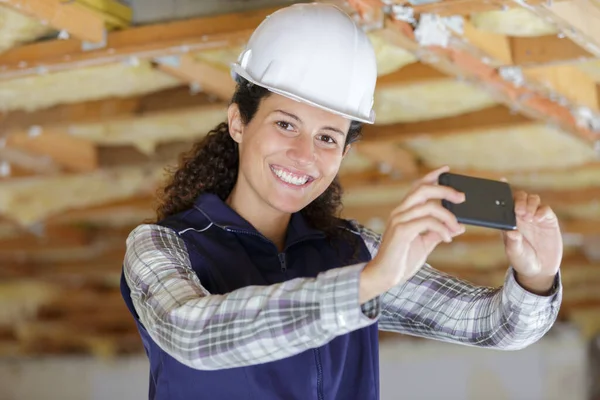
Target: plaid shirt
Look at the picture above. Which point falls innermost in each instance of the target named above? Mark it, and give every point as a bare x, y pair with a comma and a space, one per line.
258, 324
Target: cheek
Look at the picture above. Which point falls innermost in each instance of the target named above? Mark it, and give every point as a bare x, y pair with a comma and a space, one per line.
330, 165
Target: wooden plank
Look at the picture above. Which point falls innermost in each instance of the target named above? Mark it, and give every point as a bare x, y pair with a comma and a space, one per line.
114, 13
545, 50
569, 81
402, 161
75, 154
496, 45
412, 73
104, 109
145, 42
211, 79
29, 162
368, 212
448, 8
467, 62
120, 156
576, 19
60, 15
488, 118
374, 178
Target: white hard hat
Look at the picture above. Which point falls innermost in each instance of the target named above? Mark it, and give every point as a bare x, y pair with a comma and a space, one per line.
314, 53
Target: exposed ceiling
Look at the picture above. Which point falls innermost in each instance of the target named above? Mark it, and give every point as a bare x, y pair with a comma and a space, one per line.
511, 93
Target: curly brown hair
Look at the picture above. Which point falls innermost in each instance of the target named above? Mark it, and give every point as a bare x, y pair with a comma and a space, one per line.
211, 166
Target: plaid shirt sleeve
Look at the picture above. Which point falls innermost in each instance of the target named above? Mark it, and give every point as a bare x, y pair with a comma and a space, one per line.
435, 305
251, 325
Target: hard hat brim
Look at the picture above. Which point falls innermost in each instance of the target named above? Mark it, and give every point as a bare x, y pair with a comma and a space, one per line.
237, 69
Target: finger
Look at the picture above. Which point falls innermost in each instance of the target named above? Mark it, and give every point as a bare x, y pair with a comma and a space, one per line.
431, 240
433, 209
544, 212
520, 198
424, 225
533, 201
425, 193
433, 176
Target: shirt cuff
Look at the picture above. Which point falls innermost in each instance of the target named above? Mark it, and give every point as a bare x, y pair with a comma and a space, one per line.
520, 296
341, 311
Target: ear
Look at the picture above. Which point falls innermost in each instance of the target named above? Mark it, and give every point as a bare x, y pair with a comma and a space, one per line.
346, 150
236, 125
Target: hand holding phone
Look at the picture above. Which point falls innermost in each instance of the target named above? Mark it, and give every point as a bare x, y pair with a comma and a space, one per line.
489, 203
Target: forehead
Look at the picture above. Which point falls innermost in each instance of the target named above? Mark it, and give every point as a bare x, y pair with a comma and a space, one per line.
307, 113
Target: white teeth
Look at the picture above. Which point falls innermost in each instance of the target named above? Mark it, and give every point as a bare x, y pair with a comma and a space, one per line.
289, 178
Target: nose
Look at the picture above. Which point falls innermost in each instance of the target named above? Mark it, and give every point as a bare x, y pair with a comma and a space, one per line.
302, 152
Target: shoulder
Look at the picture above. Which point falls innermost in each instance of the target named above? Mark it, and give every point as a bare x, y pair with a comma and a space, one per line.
146, 238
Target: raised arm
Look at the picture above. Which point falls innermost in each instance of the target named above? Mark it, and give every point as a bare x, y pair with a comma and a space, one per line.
248, 326
435, 305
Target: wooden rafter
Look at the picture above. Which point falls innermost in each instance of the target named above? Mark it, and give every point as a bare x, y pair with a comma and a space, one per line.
146, 42
525, 51
69, 16
72, 153
209, 78
105, 109
575, 19
465, 62
463, 7
570, 81
487, 118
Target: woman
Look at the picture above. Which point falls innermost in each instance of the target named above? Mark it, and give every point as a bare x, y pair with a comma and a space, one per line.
249, 287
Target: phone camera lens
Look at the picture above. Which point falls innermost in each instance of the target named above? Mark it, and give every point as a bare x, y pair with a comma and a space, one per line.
500, 203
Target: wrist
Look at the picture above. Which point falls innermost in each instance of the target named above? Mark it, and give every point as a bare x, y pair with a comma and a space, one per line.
372, 283
539, 285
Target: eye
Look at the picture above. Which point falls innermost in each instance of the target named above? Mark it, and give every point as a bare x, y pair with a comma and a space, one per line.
285, 125
327, 139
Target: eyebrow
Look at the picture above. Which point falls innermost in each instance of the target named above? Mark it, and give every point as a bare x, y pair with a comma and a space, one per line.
330, 128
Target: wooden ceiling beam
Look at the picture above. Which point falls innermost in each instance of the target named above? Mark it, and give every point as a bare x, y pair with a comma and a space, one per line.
34, 164
102, 110
370, 179
368, 214
466, 61
78, 21
569, 81
448, 8
487, 118
444, 8
415, 72
525, 51
145, 42
209, 78
575, 19
71, 153
547, 49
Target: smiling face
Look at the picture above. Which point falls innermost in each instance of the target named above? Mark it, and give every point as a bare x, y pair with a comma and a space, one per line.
290, 152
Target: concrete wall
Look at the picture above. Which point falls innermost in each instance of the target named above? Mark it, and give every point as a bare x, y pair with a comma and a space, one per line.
553, 369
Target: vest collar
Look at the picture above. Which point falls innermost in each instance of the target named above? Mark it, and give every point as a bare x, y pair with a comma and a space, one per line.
223, 216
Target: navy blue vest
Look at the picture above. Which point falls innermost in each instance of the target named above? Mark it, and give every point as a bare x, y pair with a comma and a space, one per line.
235, 255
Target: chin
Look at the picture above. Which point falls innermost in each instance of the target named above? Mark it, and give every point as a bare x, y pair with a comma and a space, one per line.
287, 204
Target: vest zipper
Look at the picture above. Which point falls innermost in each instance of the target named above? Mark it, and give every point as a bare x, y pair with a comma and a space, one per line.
282, 262
319, 374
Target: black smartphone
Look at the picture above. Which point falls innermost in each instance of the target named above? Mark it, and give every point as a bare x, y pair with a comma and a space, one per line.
488, 203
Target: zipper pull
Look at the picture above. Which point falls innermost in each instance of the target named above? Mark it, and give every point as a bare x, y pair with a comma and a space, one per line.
282, 261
